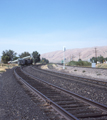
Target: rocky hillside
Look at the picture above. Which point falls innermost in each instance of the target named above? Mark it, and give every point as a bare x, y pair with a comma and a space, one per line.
75, 54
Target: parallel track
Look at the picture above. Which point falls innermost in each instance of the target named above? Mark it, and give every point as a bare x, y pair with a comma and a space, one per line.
94, 82
70, 105
81, 66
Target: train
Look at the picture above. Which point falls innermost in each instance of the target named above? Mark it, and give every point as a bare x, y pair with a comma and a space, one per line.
23, 61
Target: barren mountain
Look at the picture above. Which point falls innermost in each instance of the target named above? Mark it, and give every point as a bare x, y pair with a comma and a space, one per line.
75, 54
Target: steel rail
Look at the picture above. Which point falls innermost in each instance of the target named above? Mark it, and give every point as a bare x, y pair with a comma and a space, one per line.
79, 97
89, 80
103, 112
55, 106
82, 67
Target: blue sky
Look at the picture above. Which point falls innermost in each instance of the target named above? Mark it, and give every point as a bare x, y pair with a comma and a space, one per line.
48, 25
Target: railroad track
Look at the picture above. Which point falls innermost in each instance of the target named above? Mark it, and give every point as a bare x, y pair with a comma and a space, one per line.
82, 67
95, 82
70, 105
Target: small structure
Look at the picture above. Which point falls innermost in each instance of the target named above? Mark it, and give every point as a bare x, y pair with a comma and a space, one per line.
93, 65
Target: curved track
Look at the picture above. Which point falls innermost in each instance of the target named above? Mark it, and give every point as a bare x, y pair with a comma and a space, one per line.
94, 82
70, 105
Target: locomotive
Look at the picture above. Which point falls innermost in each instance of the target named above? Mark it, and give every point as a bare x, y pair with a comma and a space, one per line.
23, 62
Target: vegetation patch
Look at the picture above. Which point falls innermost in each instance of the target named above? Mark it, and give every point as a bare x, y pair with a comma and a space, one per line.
50, 66
79, 63
3, 67
44, 61
103, 65
44, 67
99, 65
2, 70
75, 70
98, 74
83, 71
100, 59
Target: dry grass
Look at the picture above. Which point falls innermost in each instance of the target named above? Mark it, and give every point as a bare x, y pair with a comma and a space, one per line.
54, 65
3, 67
103, 65
44, 67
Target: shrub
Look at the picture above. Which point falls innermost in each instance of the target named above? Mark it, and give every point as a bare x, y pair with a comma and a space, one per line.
79, 63
83, 71
44, 61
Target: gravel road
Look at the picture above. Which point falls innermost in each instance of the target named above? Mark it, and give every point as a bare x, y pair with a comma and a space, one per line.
15, 103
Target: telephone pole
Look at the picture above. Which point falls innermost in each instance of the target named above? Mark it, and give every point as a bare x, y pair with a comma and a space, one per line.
73, 57
70, 58
79, 55
96, 54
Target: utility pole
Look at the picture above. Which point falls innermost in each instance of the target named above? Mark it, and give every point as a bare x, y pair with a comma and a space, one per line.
64, 49
79, 55
73, 57
70, 57
96, 54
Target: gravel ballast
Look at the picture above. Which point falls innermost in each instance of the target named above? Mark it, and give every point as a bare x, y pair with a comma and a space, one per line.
94, 73
92, 92
15, 103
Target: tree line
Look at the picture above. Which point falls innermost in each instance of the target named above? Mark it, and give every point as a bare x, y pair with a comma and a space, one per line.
10, 55
44, 61
100, 59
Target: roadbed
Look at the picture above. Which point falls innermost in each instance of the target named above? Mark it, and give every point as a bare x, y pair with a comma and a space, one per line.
15, 103
98, 74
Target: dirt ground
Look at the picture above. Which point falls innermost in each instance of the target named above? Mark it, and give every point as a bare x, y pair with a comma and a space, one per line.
99, 74
3, 67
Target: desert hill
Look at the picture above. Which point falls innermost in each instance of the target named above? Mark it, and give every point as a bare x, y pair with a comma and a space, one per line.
75, 54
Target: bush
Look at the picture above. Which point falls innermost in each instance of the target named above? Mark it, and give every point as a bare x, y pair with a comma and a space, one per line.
79, 63
83, 71
44, 61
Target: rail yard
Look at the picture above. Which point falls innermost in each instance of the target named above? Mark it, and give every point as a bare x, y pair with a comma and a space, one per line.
52, 95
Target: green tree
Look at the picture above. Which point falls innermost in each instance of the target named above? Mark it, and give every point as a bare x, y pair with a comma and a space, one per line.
15, 58
5, 59
100, 59
93, 59
8, 55
25, 54
79, 60
36, 57
44, 61
105, 58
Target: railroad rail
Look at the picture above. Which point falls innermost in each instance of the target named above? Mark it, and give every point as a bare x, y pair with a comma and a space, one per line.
66, 76
81, 66
70, 105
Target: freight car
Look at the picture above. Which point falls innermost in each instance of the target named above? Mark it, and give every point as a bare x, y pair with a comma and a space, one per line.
23, 62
